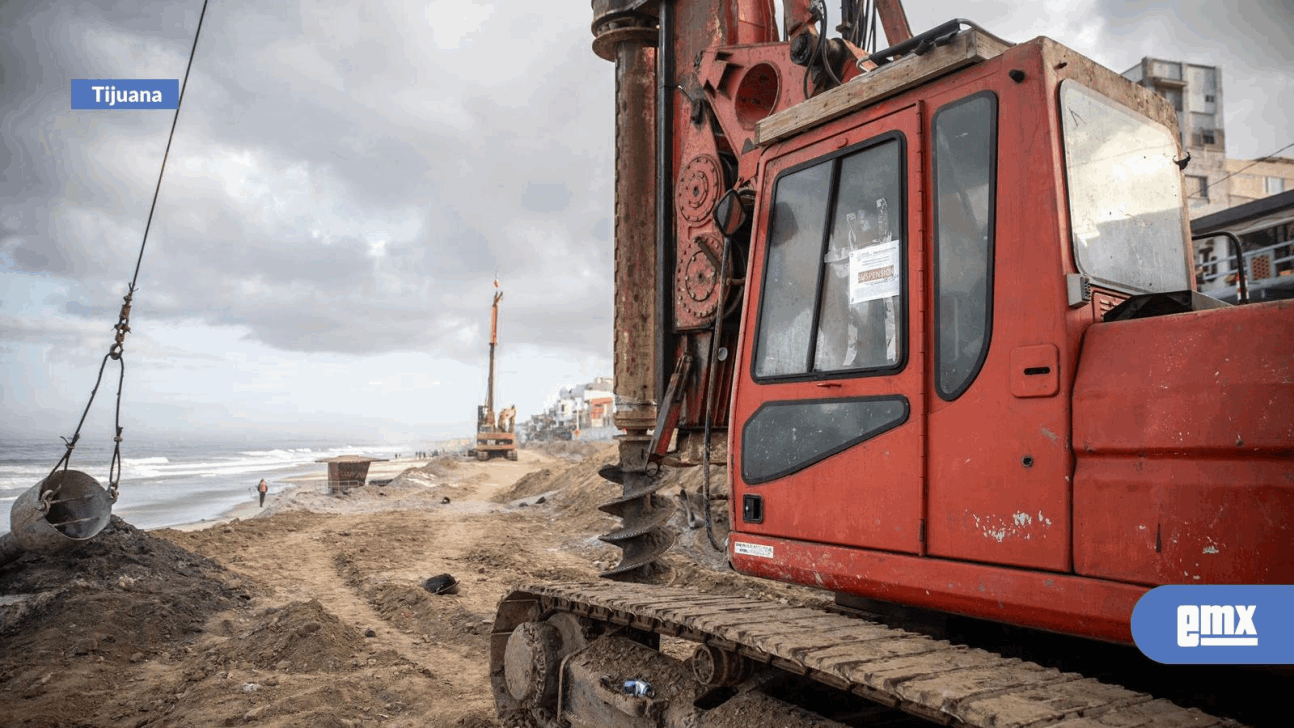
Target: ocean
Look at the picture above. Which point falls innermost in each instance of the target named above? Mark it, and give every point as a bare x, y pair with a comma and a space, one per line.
169, 482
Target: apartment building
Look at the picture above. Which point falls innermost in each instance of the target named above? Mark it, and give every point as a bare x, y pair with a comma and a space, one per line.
1196, 93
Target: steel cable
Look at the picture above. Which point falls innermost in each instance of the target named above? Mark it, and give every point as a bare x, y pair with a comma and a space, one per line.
122, 327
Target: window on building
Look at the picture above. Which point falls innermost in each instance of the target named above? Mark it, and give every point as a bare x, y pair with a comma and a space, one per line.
1207, 137
833, 281
1208, 98
965, 142
1197, 187
1275, 185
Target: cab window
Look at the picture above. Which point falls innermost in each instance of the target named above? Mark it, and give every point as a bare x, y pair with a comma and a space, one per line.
832, 295
965, 150
1125, 194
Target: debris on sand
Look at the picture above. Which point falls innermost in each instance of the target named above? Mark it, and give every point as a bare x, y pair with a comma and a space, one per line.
441, 584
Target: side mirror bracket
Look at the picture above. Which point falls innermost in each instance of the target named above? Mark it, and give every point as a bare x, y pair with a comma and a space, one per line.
729, 213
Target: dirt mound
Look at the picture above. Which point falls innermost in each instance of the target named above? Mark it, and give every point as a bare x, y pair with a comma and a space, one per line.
434, 481
412, 489
440, 619
126, 600
298, 637
121, 593
575, 450
532, 484
580, 490
476, 721
577, 491
440, 467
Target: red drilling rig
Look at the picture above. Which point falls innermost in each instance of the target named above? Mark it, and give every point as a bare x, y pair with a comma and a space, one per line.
939, 300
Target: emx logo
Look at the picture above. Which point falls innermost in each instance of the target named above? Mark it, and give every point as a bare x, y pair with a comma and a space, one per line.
1210, 625
1216, 624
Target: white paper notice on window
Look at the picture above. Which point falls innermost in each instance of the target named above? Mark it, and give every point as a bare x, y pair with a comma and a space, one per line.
874, 272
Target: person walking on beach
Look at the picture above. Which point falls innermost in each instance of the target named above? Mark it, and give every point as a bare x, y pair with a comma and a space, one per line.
263, 488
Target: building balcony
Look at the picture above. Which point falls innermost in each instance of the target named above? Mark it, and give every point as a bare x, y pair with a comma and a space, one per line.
1160, 83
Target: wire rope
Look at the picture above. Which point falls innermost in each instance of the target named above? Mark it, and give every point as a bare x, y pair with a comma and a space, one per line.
122, 327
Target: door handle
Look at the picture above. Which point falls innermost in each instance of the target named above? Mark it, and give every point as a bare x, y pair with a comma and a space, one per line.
827, 385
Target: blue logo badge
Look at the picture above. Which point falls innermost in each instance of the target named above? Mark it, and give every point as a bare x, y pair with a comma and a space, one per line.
1216, 624
125, 93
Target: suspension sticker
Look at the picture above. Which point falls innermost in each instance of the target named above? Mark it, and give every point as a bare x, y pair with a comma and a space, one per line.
752, 549
874, 272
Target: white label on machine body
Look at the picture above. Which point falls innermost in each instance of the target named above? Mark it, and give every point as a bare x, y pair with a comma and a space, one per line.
752, 549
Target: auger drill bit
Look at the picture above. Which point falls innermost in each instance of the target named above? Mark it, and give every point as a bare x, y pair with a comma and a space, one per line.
626, 34
642, 535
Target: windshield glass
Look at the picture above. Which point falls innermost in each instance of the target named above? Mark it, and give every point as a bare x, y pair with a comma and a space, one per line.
1125, 194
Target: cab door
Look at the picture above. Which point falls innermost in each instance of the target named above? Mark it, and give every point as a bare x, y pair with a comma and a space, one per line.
828, 420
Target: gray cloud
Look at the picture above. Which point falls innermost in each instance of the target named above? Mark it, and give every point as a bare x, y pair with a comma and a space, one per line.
350, 177
1253, 42
544, 197
334, 185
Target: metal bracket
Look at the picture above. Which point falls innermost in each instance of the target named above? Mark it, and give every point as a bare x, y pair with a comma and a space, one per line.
667, 418
1078, 289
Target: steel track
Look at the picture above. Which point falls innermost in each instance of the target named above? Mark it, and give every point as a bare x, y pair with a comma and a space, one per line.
935, 680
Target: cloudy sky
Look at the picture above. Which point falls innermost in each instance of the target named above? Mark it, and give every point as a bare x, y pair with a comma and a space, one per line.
348, 178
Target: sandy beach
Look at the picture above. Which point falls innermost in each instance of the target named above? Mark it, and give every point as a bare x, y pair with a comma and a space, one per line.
380, 470
311, 611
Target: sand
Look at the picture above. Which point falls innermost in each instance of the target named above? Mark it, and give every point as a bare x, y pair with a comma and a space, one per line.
381, 470
310, 612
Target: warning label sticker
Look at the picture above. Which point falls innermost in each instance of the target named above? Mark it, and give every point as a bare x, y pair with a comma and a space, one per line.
752, 549
874, 272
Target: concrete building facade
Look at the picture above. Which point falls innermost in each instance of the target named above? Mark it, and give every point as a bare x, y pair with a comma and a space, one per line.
1196, 93
1252, 181
1214, 182
581, 408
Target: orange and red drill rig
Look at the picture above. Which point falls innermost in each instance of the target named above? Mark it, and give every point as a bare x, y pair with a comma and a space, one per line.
495, 432
939, 299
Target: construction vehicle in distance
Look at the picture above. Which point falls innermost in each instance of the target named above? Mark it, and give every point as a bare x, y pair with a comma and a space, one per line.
939, 299
495, 433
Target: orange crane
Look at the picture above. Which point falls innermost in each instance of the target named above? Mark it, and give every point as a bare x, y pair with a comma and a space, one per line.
939, 300
495, 433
